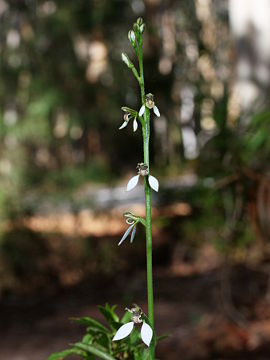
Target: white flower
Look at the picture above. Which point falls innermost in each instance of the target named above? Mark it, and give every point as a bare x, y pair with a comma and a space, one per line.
143, 171
129, 114
127, 232
132, 220
126, 329
149, 102
135, 124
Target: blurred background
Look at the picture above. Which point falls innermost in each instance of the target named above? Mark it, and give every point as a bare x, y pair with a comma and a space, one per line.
64, 166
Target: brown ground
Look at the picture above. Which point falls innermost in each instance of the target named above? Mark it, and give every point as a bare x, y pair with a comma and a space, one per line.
201, 322
211, 311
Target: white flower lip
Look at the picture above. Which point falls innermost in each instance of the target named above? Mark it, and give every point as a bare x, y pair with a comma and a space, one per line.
142, 110
126, 233
153, 182
124, 331
133, 234
132, 182
156, 111
146, 333
123, 125
135, 125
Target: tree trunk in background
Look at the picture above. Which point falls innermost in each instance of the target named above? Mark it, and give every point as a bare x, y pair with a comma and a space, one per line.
250, 27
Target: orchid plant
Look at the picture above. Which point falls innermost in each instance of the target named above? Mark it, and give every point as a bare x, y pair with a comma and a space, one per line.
150, 182
121, 339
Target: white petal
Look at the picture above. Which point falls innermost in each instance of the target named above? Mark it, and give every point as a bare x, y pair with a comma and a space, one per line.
124, 331
142, 109
125, 235
135, 125
123, 125
153, 182
146, 333
132, 182
156, 111
133, 234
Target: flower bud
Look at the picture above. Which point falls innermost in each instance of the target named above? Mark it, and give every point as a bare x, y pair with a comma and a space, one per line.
126, 60
139, 21
142, 27
132, 38
136, 28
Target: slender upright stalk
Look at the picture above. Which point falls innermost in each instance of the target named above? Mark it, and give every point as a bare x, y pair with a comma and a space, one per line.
136, 40
147, 189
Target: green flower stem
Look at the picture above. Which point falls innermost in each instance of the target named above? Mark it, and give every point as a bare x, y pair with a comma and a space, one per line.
147, 189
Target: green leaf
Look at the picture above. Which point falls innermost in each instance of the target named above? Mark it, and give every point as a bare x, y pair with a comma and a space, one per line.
63, 354
162, 337
91, 323
108, 313
126, 317
95, 351
140, 354
87, 339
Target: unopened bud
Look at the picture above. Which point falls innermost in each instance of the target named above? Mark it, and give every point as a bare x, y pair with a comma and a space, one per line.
142, 27
136, 28
139, 21
126, 60
132, 38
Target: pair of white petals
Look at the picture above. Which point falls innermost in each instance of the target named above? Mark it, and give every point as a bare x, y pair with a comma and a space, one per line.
125, 330
135, 125
153, 182
127, 232
155, 109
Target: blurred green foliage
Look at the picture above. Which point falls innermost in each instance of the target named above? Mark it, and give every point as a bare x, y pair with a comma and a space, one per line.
62, 87
97, 342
